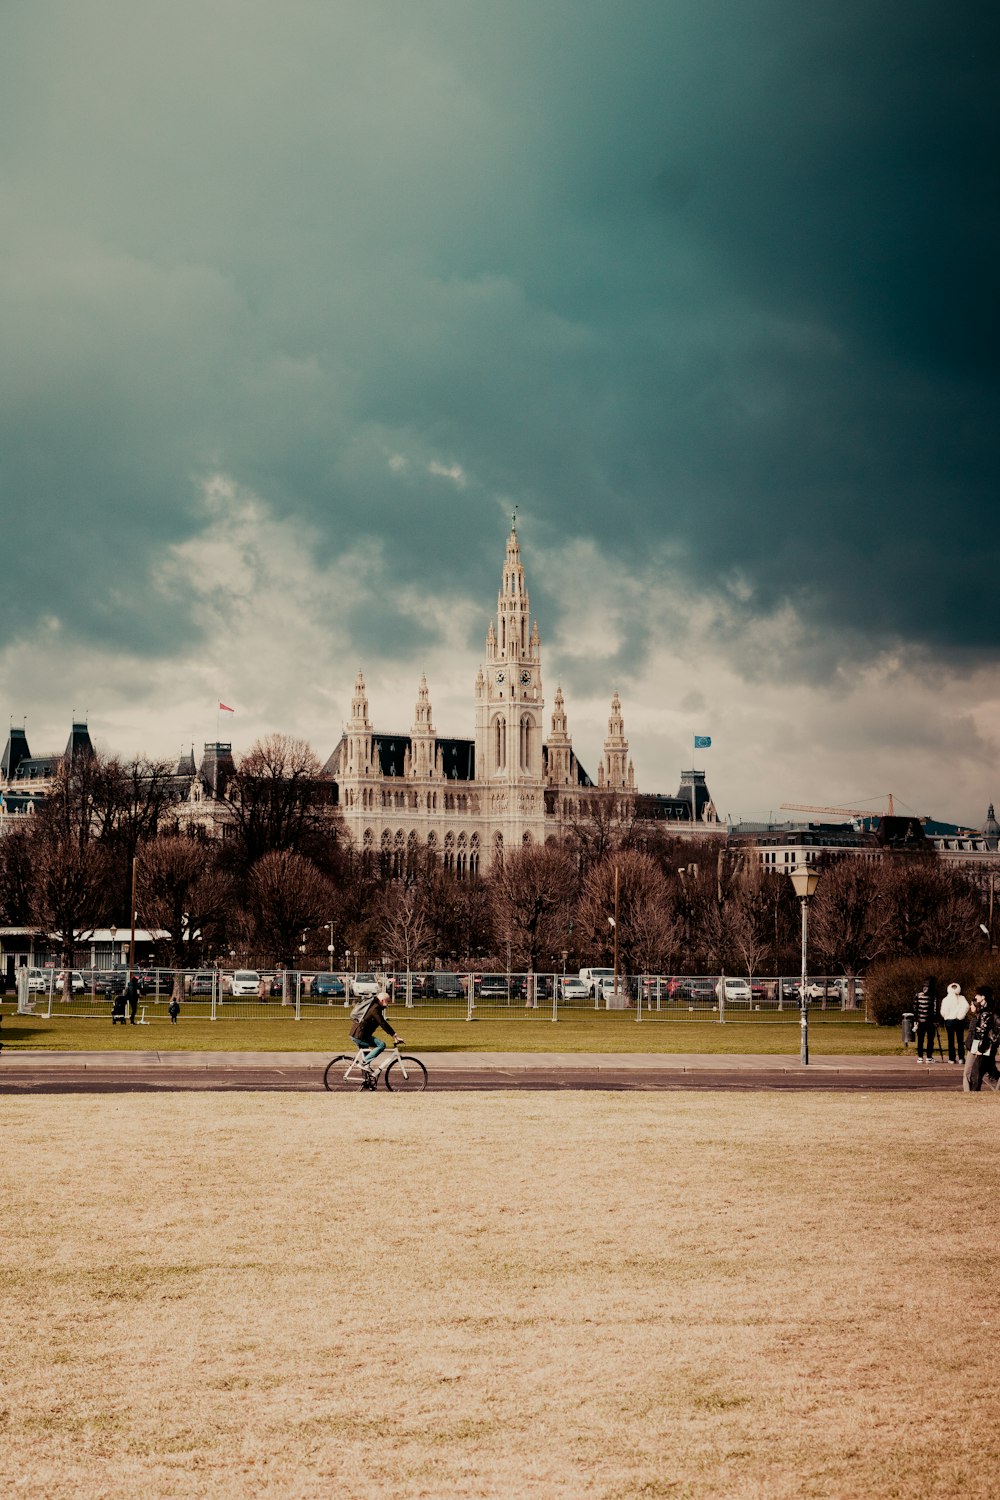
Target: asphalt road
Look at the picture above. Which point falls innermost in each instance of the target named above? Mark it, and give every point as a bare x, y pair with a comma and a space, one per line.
111, 1073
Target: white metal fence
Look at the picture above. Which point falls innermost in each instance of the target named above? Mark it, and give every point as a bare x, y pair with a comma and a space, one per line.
220, 995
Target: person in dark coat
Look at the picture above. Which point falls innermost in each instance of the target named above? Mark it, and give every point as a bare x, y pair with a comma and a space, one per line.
984, 1042
173, 1010
132, 998
925, 1013
363, 1034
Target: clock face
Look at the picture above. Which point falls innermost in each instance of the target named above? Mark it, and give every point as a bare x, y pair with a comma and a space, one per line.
501, 678
525, 678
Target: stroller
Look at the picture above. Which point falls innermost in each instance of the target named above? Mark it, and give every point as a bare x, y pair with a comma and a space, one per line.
119, 1010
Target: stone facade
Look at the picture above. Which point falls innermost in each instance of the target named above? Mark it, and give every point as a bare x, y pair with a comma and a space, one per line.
469, 800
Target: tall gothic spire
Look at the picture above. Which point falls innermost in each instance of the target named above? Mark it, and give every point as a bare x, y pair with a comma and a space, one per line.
616, 772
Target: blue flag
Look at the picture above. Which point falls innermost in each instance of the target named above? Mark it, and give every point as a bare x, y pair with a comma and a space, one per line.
702, 741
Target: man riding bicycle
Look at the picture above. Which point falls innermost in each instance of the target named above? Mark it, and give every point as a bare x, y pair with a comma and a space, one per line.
363, 1035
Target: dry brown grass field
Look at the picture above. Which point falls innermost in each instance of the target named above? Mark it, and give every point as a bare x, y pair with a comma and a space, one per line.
565, 1295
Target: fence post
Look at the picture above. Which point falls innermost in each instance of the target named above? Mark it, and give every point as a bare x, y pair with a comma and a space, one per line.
471, 990
638, 999
23, 998
52, 986
215, 995
298, 995
555, 997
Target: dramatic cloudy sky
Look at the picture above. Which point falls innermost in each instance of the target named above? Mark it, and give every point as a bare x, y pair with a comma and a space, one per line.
298, 300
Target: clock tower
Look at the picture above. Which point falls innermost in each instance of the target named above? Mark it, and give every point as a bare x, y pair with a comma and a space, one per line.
509, 703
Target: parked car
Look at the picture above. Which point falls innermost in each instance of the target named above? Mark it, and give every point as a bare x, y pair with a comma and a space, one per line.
76, 982
40, 981
328, 987
615, 996
791, 988
573, 988
396, 986
202, 983
362, 985
699, 990
245, 982
493, 987
446, 987
737, 991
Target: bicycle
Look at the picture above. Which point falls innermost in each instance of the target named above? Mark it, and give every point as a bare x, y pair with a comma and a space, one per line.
402, 1074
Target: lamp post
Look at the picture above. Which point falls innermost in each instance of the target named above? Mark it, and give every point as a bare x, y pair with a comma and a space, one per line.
805, 882
114, 933
330, 945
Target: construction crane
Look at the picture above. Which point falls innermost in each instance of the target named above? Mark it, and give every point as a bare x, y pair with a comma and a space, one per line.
852, 812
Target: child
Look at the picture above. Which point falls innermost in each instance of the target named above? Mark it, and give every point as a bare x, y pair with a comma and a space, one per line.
174, 1010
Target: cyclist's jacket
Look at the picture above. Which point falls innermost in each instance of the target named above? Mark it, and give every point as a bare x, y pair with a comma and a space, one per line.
365, 1029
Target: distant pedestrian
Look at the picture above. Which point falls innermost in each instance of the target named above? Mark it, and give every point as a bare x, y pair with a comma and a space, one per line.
984, 1040
925, 1012
132, 998
173, 1010
954, 1009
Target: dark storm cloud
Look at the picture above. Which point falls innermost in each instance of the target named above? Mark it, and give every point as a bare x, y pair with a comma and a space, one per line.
707, 282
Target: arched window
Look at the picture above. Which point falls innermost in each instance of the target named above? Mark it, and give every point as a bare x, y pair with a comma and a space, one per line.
500, 754
525, 737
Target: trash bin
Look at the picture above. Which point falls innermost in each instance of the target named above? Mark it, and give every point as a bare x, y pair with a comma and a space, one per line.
907, 1027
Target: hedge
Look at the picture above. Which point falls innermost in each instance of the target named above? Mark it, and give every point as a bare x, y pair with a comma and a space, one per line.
890, 986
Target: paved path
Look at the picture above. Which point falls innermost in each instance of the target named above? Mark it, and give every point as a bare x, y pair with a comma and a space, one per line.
23, 1072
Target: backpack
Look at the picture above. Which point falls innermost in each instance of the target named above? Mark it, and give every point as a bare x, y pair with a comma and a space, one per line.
360, 1011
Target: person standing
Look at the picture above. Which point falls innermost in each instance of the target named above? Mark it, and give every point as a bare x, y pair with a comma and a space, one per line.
131, 998
954, 1009
173, 1010
925, 1013
984, 1040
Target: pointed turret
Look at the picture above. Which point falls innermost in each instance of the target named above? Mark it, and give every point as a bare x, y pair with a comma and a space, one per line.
186, 767
422, 735
559, 746
15, 752
616, 772
79, 742
359, 732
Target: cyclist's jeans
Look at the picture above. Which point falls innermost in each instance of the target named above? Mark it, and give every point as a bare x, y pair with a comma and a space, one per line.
377, 1046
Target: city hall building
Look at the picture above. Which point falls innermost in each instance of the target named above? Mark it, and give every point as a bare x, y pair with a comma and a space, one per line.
513, 784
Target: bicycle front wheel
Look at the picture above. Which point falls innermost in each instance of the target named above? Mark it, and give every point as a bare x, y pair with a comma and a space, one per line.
336, 1078
406, 1075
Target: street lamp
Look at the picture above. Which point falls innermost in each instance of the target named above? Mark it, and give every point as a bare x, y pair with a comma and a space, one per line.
805, 882
330, 945
114, 934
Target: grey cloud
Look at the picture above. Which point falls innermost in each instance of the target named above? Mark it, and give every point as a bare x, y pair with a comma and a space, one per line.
705, 283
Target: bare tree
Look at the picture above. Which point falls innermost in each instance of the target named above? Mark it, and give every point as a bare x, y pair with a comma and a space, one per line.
746, 916
851, 920
646, 904
182, 891
280, 800
532, 897
404, 929
16, 877
286, 894
70, 891
605, 822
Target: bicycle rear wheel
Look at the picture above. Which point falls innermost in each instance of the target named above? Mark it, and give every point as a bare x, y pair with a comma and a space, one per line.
406, 1075
335, 1078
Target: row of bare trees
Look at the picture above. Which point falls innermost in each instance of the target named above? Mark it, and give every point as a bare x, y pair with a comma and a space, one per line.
284, 885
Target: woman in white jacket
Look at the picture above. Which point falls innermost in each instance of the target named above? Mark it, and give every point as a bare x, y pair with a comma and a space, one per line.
954, 1009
